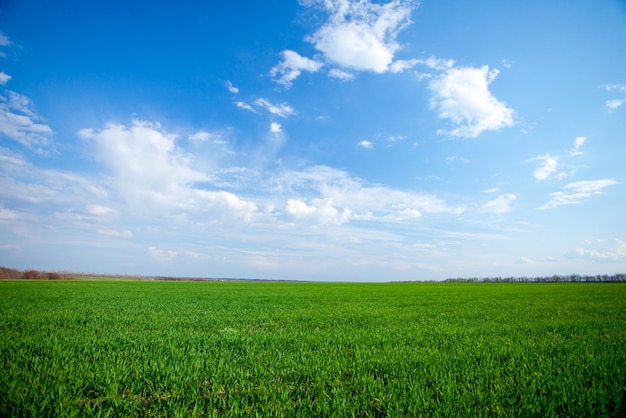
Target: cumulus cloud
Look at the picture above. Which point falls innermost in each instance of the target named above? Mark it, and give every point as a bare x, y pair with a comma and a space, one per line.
153, 173
143, 157
577, 192
360, 35
283, 110
548, 166
366, 144
462, 96
320, 211
292, 66
275, 128
20, 122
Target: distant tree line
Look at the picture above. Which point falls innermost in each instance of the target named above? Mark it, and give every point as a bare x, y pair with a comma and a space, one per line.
569, 278
14, 274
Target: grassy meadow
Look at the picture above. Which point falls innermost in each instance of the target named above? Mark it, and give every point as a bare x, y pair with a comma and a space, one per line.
128, 348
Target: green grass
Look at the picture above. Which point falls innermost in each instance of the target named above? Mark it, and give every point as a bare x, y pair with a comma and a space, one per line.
311, 349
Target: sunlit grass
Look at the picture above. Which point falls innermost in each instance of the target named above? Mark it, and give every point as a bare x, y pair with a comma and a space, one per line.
327, 349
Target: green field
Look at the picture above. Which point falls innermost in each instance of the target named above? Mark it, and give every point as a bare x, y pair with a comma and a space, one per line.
145, 348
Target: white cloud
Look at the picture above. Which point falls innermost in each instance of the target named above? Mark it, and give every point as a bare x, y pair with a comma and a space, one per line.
462, 95
602, 250
292, 66
100, 210
145, 162
578, 143
402, 65
231, 88
501, 204
372, 203
577, 192
7, 214
321, 211
547, 168
162, 255
283, 110
230, 202
203, 136
361, 35
616, 87
244, 105
4, 40
614, 104
525, 260
431, 62
4, 78
20, 122
200, 136
275, 128
366, 144
115, 233
341, 75
493, 190
456, 158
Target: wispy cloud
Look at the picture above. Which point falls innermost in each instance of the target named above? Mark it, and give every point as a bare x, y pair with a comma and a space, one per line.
548, 166
231, 88
360, 35
340, 74
366, 144
203, 136
577, 192
501, 204
456, 158
4, 40
615, 87
605, 250
4, 78
244, 105
292, 66
578, 143
614, 104
283, 110
20, 121
462, 96
431, 62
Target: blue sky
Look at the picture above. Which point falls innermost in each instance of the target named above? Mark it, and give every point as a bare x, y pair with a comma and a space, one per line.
314, 139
